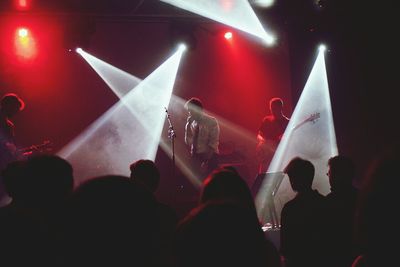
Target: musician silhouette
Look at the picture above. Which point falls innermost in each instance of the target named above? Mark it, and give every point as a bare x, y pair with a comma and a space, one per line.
10, 105
270, 133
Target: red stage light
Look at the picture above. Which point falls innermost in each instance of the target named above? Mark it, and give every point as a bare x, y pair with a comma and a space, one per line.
25, 44
228, 35
22, 4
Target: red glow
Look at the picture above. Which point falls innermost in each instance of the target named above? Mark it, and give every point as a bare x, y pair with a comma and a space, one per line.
228, 35
22, 4
24, 44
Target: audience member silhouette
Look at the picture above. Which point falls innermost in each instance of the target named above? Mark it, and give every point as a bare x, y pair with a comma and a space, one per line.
302, 218
25, 242
145, 172
49, 182
114, 223
341, 203
221, 234
13, 175
377, 222
225, 184
231, 168
40, 188
117, 221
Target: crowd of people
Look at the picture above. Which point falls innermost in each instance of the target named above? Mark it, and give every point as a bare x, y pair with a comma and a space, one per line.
116, 220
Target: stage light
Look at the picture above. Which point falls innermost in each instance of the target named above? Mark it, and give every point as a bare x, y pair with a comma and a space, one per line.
22, 5
23, 32
78, 50
320, 3
322, 48
228, 35
25, 44
263, 3
182, 47
269, 40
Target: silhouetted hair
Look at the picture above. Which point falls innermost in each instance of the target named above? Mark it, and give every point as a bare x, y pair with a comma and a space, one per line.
231, 168
12, 99
194, 102
275, 101
114, 222
220, 234
225, 184
13, 175
48, 177
301, 174
145, 172
342, 171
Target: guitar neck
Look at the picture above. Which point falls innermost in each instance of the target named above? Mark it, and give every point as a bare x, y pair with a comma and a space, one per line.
40, 147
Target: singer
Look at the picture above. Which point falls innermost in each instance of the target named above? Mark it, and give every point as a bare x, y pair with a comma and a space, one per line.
201, 137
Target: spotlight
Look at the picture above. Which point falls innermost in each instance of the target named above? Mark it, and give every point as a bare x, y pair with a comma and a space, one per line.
269, 40
182, 47
228, 35
25, 43
263, 3
78, 50
320, 3
23, 32
322, 48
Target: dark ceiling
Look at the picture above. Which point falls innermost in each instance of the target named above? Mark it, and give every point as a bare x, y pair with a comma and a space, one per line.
148, 8
99, 7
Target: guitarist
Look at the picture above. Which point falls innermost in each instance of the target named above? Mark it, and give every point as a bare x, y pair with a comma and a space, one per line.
10, 105
270, 133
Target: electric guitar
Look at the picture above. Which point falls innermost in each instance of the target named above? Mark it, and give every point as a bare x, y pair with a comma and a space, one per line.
312, 118
265, 149
44, 147
9, 152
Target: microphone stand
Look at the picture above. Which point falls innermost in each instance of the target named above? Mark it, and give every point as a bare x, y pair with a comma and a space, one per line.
171, 136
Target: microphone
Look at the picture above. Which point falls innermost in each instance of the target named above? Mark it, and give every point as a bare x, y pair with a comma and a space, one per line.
189, 120
166, 111
171, 132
